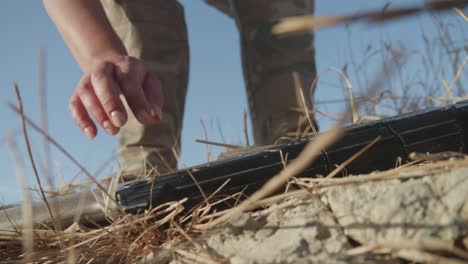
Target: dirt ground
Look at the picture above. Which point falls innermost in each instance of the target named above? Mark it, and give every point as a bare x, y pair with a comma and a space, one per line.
422, 220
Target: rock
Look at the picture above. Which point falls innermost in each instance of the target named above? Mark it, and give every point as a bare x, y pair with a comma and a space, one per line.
298, 234
418, 209
308, 229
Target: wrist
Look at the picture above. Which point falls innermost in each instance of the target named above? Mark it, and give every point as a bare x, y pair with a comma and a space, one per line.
113, 56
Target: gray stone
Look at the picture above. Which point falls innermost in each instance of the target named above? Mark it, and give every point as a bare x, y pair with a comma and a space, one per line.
302, 234
418, 209
304, 230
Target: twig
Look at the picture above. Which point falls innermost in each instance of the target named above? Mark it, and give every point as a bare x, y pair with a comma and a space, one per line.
27, 211
352, 158
43, 115
208, 206
200, 189
164, 160
31, 158
436, 156
97, 172
352, 103
217, 144
197, 245
298, 87
63, 150
205, 209
246, 131
205, 132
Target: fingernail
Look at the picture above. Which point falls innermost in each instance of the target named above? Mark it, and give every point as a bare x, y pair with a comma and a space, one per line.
107, 126
118, 118
157, 113
143, 116
89, 133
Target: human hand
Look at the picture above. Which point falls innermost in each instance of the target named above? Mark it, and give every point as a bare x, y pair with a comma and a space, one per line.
97, 95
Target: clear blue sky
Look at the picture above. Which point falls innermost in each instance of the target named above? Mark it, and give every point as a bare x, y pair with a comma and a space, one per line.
216, 91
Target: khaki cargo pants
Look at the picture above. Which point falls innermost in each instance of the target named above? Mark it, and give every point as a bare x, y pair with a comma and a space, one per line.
155, 31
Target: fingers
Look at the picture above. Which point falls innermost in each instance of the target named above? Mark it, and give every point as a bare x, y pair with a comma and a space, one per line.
92, 106
153, 92
131, 78
97, 97
81, 118
107, 92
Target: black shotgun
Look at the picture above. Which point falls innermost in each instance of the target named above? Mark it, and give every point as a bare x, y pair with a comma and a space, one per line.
427, 131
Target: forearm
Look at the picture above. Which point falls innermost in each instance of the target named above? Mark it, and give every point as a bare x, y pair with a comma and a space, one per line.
86, 30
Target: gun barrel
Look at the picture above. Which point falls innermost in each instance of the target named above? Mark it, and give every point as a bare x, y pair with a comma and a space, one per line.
66, 209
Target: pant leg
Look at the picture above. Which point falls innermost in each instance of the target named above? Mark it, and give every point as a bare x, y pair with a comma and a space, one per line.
269, 62
224, 6
154, 31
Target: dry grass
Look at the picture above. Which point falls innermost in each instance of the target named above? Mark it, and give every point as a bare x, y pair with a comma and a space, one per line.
137, 237
307, 23
131, 239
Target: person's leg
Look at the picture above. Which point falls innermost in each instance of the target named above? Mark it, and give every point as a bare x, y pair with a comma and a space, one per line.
224, 6
269, 63
154, 31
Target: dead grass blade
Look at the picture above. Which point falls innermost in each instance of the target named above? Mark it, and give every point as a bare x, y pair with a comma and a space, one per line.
200, 189
33, 163
217, 144
246, 130
343, 165
205, 133
397, 173
33, 125
44, 116
27, 211
298, 87
214, 258
306, 23
460, 12
353, 103
349, 86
